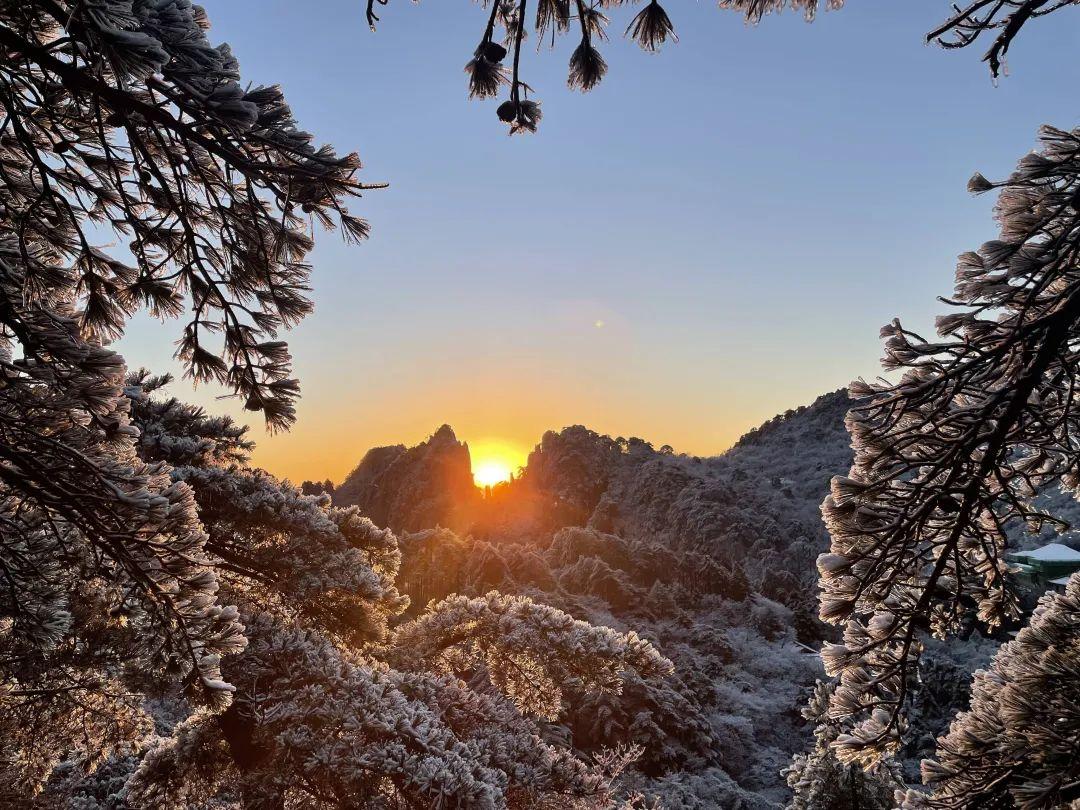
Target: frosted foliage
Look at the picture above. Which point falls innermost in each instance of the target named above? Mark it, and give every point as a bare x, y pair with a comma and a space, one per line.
616, 533
187, 769
331, 705
949, 457
324, 724
714, 732
330, 563
821, 782
506, 28
718, 730
123, 124
136, 540
528, 649
435, 720
108, 586
754, 10
1016, 745
1002, 22
124, 117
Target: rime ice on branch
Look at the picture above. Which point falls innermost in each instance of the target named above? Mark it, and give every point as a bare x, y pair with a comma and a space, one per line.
949, 457
123, 115
120, 120
651, 27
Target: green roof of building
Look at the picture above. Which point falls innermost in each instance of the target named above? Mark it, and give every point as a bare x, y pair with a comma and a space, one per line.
1050, 553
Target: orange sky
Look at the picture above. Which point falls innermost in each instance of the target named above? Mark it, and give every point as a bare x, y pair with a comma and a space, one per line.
501, 415
627, 268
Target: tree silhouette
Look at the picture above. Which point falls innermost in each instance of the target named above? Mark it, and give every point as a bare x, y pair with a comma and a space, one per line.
123, 116
651, 28
949, 454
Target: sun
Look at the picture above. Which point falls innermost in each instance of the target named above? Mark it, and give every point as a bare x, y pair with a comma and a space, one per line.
491, 472
495, 461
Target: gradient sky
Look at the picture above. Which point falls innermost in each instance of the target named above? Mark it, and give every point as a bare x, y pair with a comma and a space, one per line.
741, 212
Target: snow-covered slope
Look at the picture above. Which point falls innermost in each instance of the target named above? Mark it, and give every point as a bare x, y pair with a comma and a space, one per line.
712, 559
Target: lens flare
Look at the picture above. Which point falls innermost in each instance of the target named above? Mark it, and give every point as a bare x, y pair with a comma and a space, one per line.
490, 473
495, 461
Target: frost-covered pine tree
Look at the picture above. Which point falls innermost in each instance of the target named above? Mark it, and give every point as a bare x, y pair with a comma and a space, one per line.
120, 113
820, 781
120, 121
1016, 745
336, 703
948, 458
108, 591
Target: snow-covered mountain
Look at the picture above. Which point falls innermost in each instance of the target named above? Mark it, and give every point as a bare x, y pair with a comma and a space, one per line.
710, 558
754, 507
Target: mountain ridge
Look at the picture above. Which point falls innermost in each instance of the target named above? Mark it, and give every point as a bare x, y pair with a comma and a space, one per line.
711, 559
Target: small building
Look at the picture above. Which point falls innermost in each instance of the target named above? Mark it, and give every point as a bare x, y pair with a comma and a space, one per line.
1046, 568
1059, 584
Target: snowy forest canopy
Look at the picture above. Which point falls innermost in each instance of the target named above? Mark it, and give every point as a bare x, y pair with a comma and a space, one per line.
620, 626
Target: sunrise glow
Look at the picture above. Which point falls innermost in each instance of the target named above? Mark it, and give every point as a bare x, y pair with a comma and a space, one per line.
495, 461
490, 473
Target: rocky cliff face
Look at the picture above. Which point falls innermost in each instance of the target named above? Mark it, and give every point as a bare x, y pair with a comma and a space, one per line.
416, 488
710, 558
359, 486
754, 507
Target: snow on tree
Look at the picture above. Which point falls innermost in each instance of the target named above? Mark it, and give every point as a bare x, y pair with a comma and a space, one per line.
952, 454
281, 546
1016, 745
1003, 21
507, 28
107, 587
949, 460
731, 703
121, 121
122, 114
333, 705
528, 650
821, 782
318, 725
121, 551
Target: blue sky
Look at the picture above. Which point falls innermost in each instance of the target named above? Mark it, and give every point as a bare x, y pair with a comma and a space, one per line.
742, 212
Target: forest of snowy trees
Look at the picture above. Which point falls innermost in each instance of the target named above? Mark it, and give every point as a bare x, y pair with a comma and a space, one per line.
711, 559
620, 626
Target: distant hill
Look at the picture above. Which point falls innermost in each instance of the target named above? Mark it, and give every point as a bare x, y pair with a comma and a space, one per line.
710, 558
782, 468
755, 505
798, 452
409, 489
